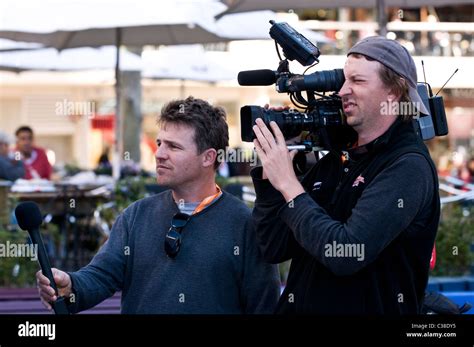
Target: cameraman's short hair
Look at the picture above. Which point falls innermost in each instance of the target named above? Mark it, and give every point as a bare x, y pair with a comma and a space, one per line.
22, 129
392, 80
208, 122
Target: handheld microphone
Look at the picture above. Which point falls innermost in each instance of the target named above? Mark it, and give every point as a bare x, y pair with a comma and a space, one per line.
29, 219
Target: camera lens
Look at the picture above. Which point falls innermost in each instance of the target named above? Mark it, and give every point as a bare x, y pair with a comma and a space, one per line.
325, 81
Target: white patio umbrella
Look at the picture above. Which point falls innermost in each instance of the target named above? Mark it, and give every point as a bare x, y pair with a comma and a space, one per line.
85, 58
67, 24
255, 26
10, 45
78, 23
186, 62
236, 6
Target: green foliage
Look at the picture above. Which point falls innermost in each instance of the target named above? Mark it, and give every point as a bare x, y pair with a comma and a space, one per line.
127, 191
20, 271
222, 181
72, 169
455, 236
16, 271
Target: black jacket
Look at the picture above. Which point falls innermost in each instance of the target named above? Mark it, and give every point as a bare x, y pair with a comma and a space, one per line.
361, 237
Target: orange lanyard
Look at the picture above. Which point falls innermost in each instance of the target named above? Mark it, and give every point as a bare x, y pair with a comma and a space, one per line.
207, 201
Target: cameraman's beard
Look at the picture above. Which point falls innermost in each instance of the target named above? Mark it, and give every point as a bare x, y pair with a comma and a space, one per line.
354, 121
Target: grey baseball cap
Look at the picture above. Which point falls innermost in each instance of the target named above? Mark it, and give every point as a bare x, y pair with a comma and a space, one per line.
394, 56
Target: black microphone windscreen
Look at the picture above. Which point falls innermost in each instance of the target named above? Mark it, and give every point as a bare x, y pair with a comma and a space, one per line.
28, 215
257, 78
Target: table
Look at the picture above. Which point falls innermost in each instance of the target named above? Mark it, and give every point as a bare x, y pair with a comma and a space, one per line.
68, 206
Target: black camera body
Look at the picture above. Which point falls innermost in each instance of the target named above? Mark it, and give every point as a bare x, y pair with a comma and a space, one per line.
323, 117
327, 114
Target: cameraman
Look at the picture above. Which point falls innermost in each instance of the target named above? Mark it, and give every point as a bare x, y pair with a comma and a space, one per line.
360, 231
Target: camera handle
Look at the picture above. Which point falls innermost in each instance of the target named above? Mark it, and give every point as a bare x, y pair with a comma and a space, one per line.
305, 146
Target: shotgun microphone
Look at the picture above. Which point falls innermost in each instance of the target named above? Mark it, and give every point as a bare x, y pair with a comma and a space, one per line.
263, 77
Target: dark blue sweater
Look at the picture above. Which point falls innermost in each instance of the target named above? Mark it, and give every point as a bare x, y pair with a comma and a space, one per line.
219, 268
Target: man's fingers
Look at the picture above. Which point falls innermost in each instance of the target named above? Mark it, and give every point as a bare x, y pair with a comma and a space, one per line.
62, 279
46, 289
46, 296
43, 285
266, 132
46, 292
59, 277
264, 145
280, 139
256, 144
41, 279
276, 108
46, 304
258, 149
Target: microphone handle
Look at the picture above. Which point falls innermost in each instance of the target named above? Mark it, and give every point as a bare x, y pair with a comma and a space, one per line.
59, 306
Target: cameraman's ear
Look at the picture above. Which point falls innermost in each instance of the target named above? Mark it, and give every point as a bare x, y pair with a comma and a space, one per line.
209, 156
395, 95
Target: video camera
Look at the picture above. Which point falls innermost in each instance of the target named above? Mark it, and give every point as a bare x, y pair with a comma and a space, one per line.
323, 121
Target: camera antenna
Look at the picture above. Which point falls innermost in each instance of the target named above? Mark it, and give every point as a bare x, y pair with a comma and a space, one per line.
446, 81
423, 67
424, 76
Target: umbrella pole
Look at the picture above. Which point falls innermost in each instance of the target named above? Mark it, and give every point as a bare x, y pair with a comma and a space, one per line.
382, 17
118, 148
182, 89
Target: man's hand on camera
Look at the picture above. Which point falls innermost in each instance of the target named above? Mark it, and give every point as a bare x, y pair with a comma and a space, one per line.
277, 161
276, 108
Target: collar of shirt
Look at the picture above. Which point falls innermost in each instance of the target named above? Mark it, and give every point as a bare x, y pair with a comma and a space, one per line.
358, 152
198, 207
32, 158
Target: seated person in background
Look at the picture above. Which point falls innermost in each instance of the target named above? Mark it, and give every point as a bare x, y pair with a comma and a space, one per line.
10, 169
34, 158
104, 167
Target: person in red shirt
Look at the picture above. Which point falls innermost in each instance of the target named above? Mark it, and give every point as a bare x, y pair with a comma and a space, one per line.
34, 158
